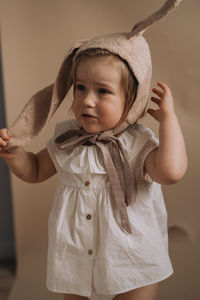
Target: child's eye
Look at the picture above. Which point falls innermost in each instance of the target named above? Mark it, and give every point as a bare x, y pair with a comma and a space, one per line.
80, 87
103, 91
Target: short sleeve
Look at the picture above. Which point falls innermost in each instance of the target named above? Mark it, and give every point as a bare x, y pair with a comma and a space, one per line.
139, 141
141, 175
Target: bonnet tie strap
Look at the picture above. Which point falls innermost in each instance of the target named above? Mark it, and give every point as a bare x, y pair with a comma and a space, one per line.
119, 172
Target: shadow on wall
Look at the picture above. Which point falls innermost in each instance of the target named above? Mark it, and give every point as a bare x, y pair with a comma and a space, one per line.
7, 244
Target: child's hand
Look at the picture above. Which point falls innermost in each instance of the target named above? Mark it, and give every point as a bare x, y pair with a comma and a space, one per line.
4, 138
164, 101
27, 166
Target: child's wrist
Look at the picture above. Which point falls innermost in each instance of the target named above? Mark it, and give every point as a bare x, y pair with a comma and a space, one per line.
168, 115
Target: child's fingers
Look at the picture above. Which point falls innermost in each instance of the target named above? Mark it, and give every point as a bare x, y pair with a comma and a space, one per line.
167, 95
161, 84
156, 100
2, 143
4, 137
153, 112
164, 87
4, 134
158, 92
164, 92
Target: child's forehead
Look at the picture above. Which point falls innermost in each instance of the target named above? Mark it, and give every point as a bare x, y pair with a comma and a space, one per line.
111, 60
110, 63
99, 70
99, 63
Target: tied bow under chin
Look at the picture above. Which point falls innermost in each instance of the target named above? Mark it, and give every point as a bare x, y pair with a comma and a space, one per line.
118, 169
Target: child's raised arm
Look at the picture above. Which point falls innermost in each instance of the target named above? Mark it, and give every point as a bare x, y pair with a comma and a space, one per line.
168, 163
27, 166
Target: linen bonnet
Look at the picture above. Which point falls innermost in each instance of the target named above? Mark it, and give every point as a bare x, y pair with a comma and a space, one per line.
131, 47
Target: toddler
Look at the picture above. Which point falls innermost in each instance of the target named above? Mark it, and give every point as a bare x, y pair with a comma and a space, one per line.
108, 224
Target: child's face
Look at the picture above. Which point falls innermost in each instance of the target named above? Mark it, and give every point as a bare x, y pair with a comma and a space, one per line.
98, 93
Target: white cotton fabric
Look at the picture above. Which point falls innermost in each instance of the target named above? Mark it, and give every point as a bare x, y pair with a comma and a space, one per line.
119, 261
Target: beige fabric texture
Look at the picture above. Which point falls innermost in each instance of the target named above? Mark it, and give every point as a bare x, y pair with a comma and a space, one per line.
34, 39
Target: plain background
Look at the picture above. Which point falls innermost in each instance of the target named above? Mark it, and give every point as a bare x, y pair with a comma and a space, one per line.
35, 36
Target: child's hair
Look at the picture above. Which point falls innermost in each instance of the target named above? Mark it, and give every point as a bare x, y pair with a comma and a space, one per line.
129, 80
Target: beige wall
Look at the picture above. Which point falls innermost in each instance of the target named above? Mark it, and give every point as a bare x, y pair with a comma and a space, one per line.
35, 36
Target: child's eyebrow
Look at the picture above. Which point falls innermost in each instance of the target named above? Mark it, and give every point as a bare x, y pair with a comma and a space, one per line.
78, 79
106, 84
98, 83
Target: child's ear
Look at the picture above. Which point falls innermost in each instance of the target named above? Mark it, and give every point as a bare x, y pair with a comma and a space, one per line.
141, 26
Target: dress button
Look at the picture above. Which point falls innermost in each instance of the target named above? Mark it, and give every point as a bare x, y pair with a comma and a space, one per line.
90, 252
89, 217
87, 183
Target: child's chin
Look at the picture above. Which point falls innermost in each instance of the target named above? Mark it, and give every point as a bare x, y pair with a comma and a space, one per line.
88, 130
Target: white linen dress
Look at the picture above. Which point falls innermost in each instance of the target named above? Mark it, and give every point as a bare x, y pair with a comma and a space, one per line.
88, 252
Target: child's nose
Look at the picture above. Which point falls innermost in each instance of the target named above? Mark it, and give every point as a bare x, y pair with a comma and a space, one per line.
89, 100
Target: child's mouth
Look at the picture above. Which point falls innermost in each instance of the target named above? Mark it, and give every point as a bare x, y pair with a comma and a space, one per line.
87, 116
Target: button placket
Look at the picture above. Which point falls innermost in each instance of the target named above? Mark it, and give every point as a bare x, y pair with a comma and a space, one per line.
89, 225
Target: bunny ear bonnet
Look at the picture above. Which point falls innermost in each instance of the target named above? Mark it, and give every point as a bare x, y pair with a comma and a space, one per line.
131, 47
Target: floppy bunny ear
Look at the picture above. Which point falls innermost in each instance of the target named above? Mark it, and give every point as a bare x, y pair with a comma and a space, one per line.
41, 107
140, 27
